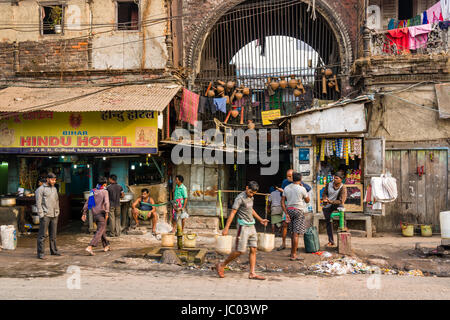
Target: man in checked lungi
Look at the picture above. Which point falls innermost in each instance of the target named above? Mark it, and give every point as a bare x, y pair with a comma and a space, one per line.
293, 202
246, 234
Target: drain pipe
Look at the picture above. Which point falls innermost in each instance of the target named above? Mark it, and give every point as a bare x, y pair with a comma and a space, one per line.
366, 32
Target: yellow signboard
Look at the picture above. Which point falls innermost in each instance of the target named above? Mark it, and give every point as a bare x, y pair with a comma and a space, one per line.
269, 115
86, 132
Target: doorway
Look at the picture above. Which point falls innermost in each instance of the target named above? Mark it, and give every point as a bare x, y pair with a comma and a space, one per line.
422, 183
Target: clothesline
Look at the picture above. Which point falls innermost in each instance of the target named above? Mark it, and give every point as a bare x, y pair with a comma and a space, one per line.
440, 11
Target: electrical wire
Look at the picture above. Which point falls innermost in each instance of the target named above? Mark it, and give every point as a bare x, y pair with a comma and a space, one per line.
416, 104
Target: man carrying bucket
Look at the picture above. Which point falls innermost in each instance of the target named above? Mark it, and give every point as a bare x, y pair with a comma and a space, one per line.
246, 234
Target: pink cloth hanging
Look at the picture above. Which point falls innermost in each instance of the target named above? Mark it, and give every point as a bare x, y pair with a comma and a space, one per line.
434, 14
418, 36
189, 107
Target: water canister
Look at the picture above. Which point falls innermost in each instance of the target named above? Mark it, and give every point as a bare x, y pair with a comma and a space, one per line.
224, 244
266, 242
444, 217
189, 240
167, 240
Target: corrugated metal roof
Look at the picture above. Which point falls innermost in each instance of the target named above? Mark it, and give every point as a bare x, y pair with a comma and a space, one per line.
153, 97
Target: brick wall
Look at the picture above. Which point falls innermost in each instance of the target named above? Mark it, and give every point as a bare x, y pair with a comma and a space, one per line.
58, 55
6, 60
195, 10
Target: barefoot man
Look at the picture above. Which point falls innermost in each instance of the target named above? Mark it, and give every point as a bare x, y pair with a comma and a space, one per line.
246, 235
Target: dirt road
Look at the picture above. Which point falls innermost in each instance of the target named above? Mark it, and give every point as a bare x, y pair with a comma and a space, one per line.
108, 284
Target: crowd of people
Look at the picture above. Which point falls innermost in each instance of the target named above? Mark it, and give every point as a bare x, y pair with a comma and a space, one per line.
287, 206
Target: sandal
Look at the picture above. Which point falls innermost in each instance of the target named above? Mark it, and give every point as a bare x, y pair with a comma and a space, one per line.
107, 248
220, 270
256, 277
330, 244
281, 248
297, 259
90, 252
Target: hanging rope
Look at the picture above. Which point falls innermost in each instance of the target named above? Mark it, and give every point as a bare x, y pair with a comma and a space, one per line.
313, 13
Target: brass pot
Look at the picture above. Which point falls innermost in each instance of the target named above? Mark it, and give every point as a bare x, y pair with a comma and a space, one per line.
228, 99
230, 84
292, 82
275, 85
328, 72
297, 93
211, 93
220, 89
251, 126
239, 95
283, 83
234, 113
246, 91
221, 83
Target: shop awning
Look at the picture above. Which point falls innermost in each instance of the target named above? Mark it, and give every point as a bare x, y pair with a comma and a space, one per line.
149, 97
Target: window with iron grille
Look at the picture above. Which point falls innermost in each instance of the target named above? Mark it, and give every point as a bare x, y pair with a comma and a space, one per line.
51, 18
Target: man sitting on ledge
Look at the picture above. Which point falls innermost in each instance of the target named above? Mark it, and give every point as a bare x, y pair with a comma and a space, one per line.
146, 211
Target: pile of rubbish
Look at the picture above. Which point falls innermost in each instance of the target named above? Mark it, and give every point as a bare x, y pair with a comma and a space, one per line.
343, 266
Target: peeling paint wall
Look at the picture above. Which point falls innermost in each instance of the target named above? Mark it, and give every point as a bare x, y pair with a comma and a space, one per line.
111, 49
397, 120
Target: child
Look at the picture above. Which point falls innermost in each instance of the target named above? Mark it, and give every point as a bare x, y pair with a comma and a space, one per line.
180, 196
276, 212
246, 235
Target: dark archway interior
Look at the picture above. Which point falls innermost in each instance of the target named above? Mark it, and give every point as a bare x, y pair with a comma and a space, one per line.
258, 21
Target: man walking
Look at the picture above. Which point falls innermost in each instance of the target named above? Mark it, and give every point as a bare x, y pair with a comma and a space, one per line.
284, 184
47, 202
246, 234
333, 197
115, 192
293, 204
99, 204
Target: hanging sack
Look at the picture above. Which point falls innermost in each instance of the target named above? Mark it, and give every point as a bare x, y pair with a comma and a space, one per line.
8, 237
311, 239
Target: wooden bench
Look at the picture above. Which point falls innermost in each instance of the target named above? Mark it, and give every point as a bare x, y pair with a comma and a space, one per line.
348, 216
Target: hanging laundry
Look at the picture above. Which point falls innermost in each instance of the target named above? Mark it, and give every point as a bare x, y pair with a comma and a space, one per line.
434, 14
416, 21
206, 105
189, 107
398, 38
418, 36
220, 104
425, 18
402, 24
445, 9
444, 25
393, 23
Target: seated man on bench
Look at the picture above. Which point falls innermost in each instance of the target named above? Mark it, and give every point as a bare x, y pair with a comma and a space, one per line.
146, 211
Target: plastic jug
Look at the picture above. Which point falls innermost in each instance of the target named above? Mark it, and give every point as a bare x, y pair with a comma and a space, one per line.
224, 244
189, 240
444, 217
426, 230
167, 240
9, 237
266, 242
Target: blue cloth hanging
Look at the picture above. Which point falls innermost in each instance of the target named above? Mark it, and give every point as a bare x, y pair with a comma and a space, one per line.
393, 23
425, 18
221, 104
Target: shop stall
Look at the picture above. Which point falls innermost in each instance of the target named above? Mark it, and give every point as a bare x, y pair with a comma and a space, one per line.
79, 143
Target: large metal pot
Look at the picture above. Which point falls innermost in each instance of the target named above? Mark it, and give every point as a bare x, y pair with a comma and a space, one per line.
34, 209
8, 202
129, 196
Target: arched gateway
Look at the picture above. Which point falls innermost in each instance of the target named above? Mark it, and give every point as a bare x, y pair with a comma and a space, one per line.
251, 41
